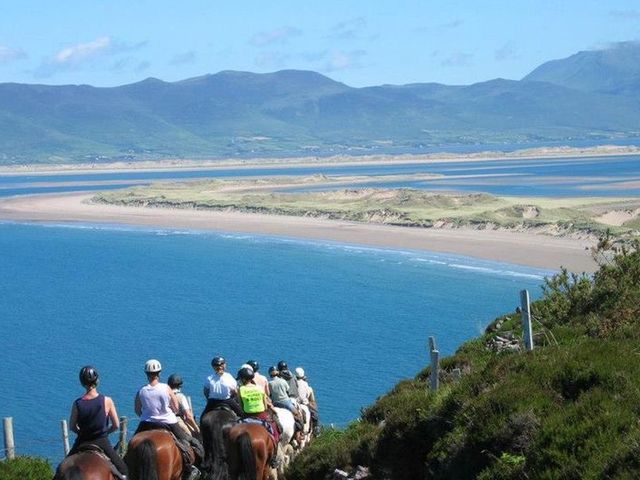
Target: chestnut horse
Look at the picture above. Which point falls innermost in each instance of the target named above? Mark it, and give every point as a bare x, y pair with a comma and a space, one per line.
87, 465
154, 455
249, 449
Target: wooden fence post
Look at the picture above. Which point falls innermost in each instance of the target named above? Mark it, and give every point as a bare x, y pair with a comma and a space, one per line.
525, 307
434, 378
9, 444
65, 437
122, 436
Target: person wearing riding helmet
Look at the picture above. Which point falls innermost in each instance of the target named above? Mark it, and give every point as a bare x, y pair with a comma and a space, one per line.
306, 397
185, 414
280, 390
286, 374
256, 404
157, 405
220, 388
90, 417
258, 378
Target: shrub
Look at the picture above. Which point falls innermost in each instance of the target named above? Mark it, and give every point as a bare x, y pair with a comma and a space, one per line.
22, 468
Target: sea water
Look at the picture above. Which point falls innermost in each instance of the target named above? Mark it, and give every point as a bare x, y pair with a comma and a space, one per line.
357, 319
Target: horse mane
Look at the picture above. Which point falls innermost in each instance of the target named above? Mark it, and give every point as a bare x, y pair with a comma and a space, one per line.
247, 456
211, 426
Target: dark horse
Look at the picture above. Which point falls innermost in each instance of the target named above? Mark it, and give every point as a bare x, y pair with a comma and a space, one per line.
249, 449
154, 455
86, 465
215, 458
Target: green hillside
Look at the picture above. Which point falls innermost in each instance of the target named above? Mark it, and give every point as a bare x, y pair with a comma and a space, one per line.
296, 112
567, 410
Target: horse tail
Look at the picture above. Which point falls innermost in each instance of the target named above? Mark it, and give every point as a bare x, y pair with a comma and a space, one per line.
215, 462
147, 461
247, 457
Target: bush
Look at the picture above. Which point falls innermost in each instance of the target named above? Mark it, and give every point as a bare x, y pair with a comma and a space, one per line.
23, 468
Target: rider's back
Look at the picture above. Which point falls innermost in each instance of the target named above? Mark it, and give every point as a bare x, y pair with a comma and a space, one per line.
156, 404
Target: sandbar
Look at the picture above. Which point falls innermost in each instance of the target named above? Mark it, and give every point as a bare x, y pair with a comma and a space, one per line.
520, 248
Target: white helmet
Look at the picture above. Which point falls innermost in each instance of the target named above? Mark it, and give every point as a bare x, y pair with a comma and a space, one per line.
299, 372
246, 365
152, 366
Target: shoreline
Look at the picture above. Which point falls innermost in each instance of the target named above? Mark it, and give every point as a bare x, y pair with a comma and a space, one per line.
311, 161
518, 248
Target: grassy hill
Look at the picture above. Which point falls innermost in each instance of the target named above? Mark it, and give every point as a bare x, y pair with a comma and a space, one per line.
293, 112
567, 410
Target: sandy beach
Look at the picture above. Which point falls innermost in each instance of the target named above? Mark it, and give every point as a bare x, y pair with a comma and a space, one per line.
512, 247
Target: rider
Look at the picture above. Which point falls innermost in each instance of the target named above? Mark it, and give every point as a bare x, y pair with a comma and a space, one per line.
279, 390
221, 388
256, 404
286, 374
258, 378
185, 414
156, 405
90, 418
306, 397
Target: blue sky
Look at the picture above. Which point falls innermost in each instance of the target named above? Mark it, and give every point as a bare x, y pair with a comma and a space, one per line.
358, 42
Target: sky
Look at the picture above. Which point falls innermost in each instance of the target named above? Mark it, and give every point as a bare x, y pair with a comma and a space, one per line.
358, 42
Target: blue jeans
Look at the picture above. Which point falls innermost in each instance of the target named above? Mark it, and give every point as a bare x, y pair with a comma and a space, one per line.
288, 404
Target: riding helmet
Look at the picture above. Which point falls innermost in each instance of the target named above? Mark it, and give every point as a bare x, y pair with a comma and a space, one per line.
245, 373
299, 372
254, 364
218, 361
175, 380
88, 376
273, 370
152, 366
282, 365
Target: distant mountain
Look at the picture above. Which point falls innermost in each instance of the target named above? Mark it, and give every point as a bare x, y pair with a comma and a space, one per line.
589, 95
613, 70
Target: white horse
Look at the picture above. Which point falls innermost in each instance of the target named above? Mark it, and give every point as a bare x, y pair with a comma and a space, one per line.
306, 425
286, 451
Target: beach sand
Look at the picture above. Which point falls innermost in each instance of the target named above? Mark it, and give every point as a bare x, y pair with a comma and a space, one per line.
512, 247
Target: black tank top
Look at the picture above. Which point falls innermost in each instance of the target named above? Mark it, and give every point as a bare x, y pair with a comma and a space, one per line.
92, 419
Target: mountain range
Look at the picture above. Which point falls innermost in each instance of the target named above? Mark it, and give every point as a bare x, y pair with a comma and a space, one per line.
589, 95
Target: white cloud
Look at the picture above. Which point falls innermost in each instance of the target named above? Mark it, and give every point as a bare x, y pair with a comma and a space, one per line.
348, 29
278, 35
183, 58
457, 60
8, 54
506, 52
83, 51
344, 60
272, 59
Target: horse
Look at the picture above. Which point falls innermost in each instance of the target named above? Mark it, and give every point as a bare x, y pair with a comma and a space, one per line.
287, 422
306, 425
86, 465
249, 448
215, 458
154, 455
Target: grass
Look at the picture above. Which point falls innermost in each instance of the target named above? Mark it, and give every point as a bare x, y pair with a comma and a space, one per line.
416, 208
567, 410
23, 468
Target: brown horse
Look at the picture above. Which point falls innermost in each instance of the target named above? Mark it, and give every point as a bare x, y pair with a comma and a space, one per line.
88, 465
154, 455
249, 449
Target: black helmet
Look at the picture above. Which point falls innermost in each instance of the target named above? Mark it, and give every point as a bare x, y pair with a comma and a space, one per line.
218, 361
273, 369
255, 365
175, 380
282, 365
88, 376
245, 373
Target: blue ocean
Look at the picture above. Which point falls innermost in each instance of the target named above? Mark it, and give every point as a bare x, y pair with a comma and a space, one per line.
357, 319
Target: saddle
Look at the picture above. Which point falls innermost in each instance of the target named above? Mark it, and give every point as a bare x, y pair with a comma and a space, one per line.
222, 406
259, 421
90, 447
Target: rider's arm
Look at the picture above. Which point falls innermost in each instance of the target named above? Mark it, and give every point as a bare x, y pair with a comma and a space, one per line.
174, 404
138, 405
73, 418
205, 392
110, 408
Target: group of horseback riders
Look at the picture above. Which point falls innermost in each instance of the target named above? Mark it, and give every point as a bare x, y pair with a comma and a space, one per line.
164, 406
